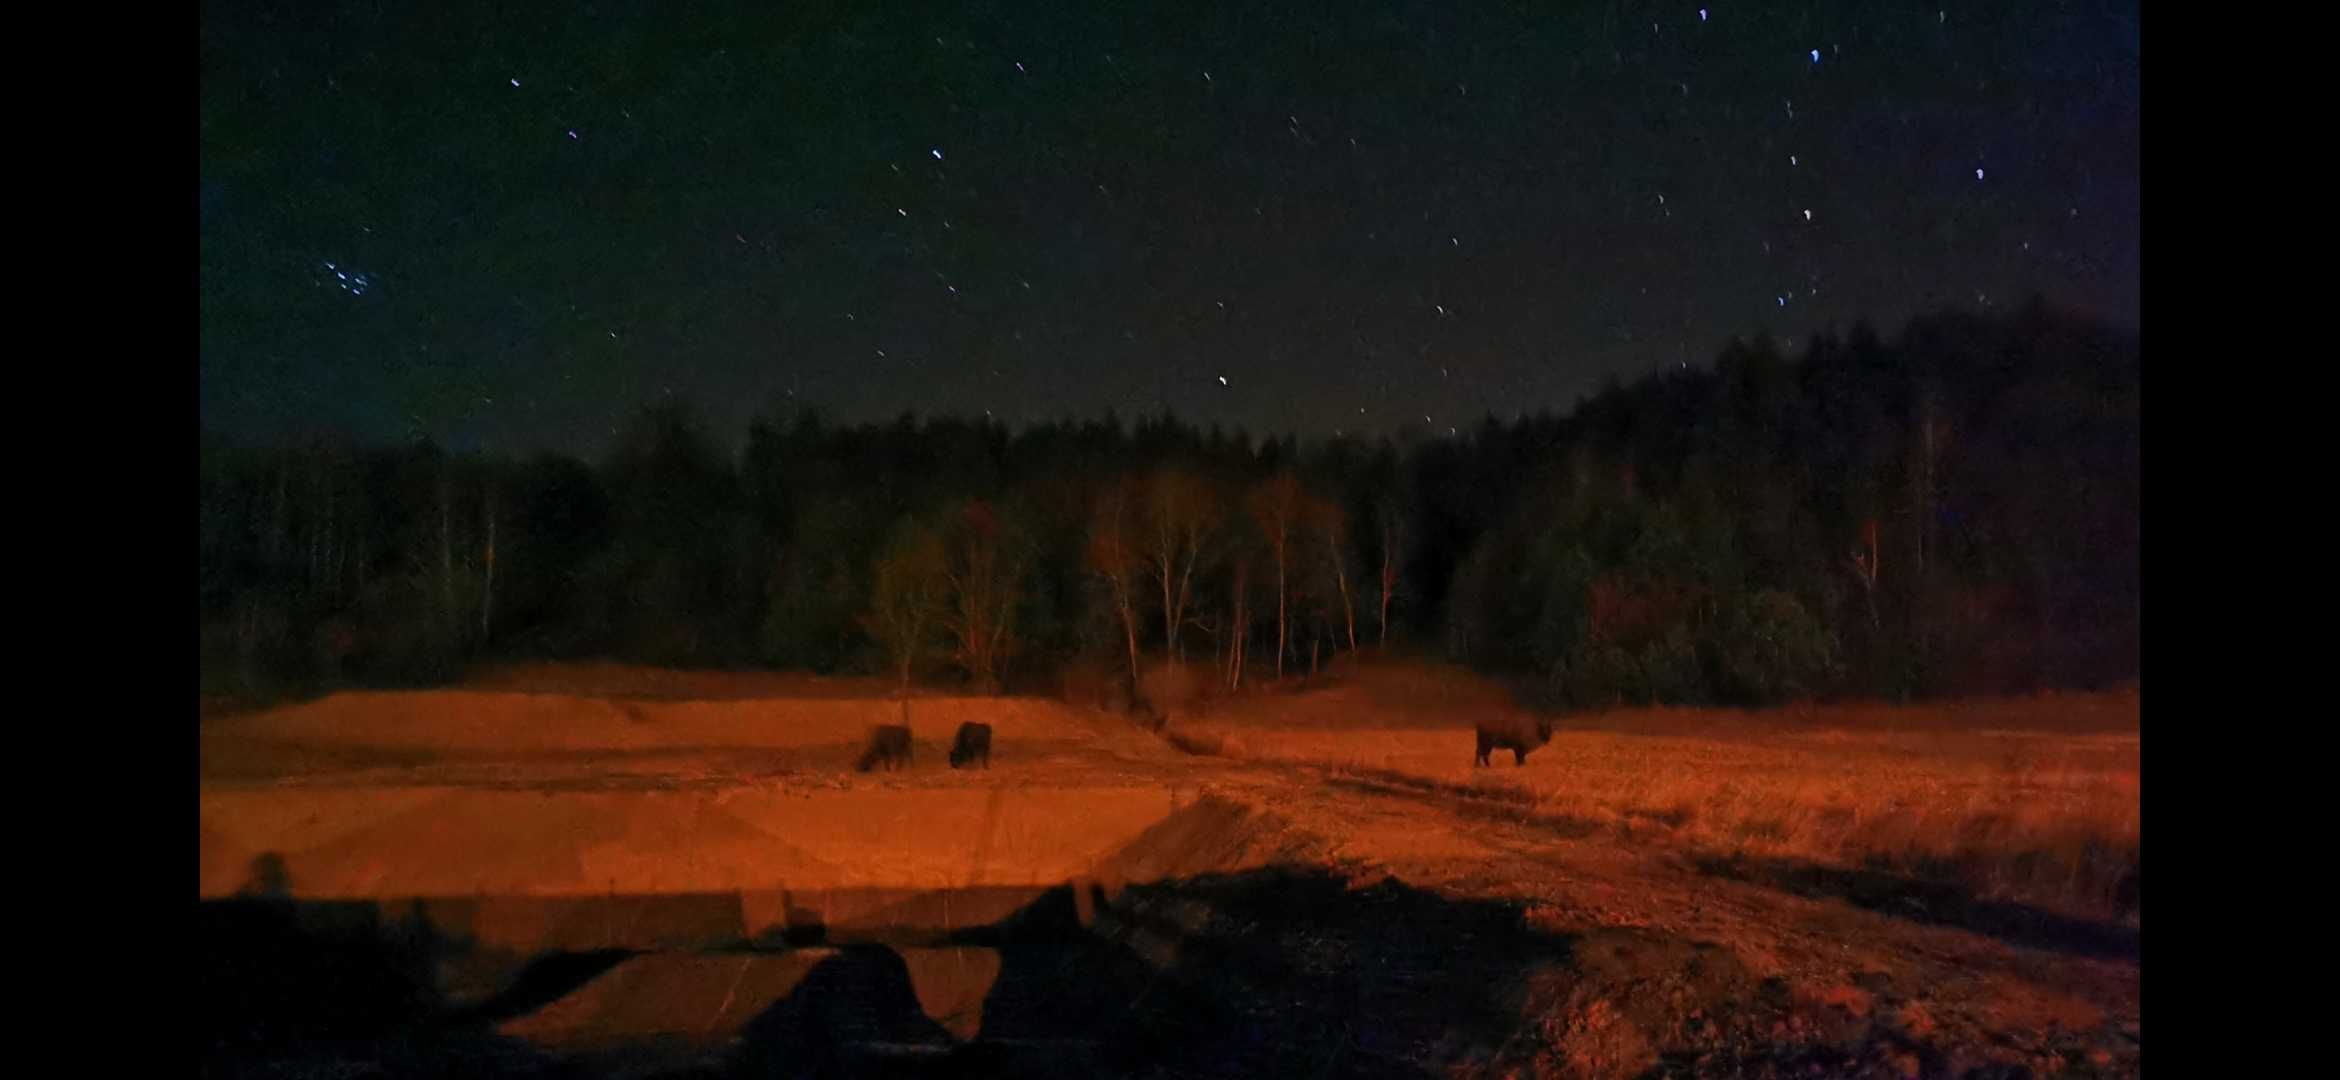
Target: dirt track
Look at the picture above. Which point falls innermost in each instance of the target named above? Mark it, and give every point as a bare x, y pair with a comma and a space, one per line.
1095, 862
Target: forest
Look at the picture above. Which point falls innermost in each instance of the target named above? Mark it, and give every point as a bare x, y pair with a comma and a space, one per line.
1951, 512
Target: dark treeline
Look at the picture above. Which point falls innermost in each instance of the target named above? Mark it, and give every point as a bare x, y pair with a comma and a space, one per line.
1954, 512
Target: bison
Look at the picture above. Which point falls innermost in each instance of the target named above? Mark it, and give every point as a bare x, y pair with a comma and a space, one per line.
972, 745
1514, 733
889, 745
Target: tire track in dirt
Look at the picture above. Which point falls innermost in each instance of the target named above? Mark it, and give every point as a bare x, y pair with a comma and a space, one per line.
1967, 989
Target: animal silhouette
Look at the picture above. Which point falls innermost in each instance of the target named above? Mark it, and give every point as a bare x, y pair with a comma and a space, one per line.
889, 746
972, 745
1515, 733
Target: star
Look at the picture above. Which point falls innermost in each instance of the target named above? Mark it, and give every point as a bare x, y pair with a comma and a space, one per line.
937, 152
1978, 173
1222, 380
1807, 215
1815, 56
515, 82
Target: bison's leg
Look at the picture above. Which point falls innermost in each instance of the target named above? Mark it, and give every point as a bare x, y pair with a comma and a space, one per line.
1519, 755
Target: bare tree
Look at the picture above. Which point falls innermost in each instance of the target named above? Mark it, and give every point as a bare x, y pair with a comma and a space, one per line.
1933, 435
1113, 557
1275, 507
907, 596
1332, 526
1181, 515
1864, 567
1242, 621
983, 566
1393, 542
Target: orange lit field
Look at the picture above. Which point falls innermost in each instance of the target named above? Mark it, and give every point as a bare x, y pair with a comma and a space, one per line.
1843, 890
2032, 800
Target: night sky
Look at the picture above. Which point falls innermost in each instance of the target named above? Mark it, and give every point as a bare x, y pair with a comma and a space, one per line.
509, 233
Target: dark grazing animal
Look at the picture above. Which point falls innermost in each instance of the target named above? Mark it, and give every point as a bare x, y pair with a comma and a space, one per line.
1515, 733
972, 745
889, 745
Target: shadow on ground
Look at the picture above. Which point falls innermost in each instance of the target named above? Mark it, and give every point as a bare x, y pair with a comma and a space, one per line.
1283, 971
1936, 903
290, 988
1273, 972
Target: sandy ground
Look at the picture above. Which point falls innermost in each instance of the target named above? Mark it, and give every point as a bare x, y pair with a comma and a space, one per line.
669, 818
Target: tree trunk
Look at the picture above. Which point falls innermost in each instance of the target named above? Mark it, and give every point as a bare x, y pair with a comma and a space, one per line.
1129, 628
1242, 642
1388, 578
276, 525
1341, 575
1186, 589
1282, 635
1242, 625
1385, 615
487, 591
1169, 611
446, 551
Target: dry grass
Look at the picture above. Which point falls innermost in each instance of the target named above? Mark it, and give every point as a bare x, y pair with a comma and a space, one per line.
2033, 801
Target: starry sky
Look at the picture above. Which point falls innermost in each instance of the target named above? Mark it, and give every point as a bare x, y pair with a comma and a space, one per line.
509, 232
